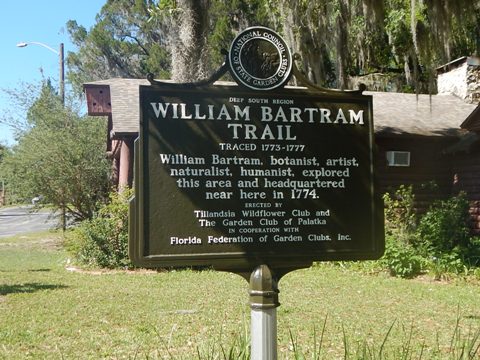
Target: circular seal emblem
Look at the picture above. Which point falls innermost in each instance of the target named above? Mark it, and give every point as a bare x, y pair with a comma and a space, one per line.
260, 59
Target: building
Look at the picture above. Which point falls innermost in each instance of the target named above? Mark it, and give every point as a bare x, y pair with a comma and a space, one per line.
429, 141
117, 99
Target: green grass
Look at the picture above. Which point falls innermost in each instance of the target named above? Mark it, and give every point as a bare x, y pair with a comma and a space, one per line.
48, 312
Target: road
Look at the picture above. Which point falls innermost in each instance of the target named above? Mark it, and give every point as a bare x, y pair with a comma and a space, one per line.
21, 219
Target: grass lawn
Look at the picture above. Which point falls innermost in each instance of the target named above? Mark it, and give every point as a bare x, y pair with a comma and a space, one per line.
50, 312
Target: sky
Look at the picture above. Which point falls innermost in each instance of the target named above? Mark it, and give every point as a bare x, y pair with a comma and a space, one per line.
41, 21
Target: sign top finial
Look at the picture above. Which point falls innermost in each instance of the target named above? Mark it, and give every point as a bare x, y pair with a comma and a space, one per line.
260, 59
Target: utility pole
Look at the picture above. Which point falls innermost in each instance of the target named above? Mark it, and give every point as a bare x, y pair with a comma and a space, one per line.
61, 78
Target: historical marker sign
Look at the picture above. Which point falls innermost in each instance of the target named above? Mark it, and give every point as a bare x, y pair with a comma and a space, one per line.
234, 178
254, 179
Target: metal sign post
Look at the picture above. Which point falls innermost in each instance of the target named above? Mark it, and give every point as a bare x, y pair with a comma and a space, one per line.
263, 303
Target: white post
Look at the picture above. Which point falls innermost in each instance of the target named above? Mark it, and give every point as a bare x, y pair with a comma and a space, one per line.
264, 334
263, 304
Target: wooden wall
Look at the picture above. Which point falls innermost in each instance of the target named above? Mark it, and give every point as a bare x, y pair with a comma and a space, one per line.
429, 164
466, 166
430, 171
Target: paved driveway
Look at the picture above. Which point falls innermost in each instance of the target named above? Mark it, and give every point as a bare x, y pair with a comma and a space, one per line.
21, 219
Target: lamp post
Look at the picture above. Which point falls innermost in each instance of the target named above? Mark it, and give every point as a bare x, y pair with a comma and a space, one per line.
61, 63
61, 81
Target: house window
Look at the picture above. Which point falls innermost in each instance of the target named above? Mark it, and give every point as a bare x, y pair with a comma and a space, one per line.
398, 158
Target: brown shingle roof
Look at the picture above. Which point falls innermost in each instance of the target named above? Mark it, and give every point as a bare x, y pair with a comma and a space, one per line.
428, 115
393, 113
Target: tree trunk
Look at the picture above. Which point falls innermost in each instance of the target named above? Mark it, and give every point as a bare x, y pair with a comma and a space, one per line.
342, 45
189, 52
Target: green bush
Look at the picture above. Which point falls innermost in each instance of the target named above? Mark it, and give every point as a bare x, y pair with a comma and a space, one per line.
444, 227
471, 252
400, 216
446, 264
445, 233
103, 240
401, 259
439, 241
476, 273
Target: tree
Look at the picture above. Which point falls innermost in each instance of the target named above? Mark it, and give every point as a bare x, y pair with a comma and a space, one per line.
122, 43
61, 156
354, 37
335, 38
200, 29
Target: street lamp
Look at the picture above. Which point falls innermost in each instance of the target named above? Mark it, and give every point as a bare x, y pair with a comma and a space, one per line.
62, 91
61, 63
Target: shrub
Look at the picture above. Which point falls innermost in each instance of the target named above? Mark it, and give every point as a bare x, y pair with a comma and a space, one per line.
476, 273
401, 259
444, 226
440, 240
103, 240
400, 217
471, 252
445, 264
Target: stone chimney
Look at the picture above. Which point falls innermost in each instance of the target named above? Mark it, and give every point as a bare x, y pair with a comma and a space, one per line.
461, 77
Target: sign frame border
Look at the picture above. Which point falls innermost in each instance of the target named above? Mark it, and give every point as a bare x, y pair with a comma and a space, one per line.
243, 261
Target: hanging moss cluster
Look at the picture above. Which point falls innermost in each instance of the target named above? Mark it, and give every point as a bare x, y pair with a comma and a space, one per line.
342, 38
336, 39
